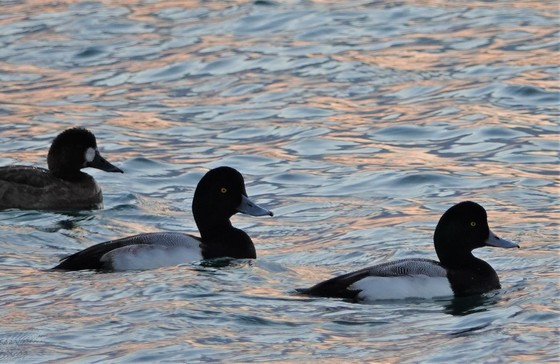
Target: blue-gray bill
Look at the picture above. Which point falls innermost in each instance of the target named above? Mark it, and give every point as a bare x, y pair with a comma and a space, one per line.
250, 208
494, 240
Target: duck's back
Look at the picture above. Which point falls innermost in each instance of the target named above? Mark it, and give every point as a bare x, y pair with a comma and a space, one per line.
25, 187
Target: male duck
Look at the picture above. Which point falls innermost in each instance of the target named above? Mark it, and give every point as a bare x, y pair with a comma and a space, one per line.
219, 195
461, 229
63, 186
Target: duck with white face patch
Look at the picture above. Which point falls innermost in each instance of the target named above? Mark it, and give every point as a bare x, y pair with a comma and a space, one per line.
94, 159
63, 186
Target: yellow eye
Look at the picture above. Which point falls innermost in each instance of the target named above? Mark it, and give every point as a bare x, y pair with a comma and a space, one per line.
223, 190
473, 223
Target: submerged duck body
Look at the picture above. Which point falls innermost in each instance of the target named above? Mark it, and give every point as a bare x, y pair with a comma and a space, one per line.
461, 229
219, 195
63, 186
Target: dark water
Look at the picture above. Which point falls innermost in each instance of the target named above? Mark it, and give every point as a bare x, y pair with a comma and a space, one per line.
357, 123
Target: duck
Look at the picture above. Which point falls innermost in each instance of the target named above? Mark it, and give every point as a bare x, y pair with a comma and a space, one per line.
219, 195
63, 186
460, 230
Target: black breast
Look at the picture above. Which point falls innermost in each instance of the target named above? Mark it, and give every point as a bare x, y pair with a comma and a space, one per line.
477, 279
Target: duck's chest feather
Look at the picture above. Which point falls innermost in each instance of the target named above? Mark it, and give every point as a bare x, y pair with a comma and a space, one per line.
478, 278
25, 187
227, 242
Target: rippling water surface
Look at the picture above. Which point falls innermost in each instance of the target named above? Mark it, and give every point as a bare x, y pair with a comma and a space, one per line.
358, 123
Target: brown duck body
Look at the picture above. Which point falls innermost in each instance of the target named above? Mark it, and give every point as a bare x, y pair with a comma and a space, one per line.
63, 186
25, 187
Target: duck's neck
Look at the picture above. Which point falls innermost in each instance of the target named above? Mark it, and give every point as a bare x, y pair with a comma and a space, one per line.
210, 228
75, 176
456, 259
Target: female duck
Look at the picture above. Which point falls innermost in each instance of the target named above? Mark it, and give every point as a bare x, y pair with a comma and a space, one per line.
219, 195
63, 186
461, 229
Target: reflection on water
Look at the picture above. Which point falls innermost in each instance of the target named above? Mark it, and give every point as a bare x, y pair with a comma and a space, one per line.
472, 304
358, 123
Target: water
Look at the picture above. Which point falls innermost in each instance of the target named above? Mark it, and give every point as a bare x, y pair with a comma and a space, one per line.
357, 123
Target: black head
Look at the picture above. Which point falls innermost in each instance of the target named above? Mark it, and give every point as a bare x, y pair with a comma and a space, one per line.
74, 149
461, 229
219, 195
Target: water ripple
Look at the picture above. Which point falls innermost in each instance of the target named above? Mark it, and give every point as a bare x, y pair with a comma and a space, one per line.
357, 123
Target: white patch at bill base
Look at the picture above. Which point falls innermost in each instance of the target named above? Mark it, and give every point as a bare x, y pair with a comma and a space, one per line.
90, 155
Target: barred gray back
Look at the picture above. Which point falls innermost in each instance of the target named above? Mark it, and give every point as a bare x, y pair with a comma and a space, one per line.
409, 267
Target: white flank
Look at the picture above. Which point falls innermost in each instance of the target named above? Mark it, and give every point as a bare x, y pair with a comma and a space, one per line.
175, 249
388, 288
